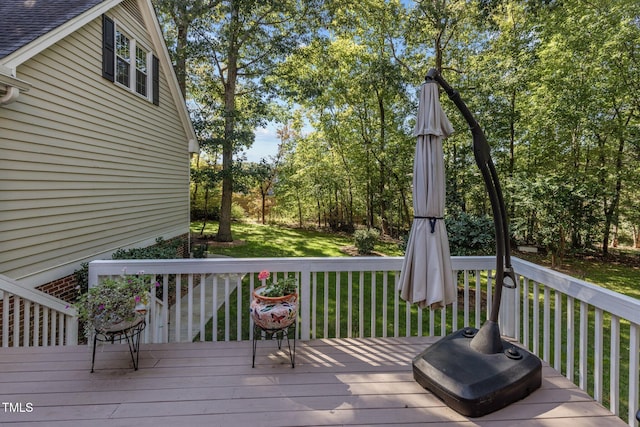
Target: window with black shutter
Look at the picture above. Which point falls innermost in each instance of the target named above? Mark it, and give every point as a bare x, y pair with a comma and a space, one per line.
128, 63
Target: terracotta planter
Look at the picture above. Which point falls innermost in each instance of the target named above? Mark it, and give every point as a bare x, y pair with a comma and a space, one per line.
273, 312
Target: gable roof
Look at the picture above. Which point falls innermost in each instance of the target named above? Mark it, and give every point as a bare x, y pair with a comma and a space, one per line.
27, 27
23, 21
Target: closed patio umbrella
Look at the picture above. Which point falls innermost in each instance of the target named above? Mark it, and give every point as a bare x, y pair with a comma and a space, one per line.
426, 278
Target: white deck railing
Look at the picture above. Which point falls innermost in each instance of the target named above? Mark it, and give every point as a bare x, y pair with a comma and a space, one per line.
34, 318
561, 319
583, 331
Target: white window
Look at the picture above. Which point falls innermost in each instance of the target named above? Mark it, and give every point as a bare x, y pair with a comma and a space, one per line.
131, 64
141, 71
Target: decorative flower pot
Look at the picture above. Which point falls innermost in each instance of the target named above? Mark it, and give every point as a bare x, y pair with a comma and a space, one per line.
273, 312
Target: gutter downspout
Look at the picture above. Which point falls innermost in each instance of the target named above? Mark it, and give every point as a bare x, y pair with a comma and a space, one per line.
11, 95
12, 85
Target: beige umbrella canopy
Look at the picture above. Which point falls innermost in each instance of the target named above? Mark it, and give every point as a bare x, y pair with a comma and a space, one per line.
426, 278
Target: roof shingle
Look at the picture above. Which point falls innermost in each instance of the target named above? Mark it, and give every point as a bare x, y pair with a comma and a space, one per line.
23, 21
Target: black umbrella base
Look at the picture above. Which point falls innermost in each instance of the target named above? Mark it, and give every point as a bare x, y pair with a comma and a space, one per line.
472, 383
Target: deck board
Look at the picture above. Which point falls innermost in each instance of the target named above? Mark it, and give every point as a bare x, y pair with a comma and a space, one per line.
335, 382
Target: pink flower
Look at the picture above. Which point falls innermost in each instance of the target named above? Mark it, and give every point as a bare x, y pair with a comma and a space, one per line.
137, 298
264, 275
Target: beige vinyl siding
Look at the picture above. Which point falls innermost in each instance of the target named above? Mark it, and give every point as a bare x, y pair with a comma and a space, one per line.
87, 166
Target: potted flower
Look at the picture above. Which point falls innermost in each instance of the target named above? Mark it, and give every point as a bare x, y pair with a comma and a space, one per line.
275, 305
113, 302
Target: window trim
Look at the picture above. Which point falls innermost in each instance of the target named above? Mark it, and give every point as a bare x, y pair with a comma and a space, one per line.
110, 29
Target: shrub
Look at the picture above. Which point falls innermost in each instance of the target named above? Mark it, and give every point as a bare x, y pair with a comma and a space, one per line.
237, 212
82, 278
471, 235
365, 240
161, 250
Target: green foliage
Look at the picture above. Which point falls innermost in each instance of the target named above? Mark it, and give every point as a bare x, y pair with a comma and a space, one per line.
553, 210
365, 240
552, 87
200, 251
278, 288
113, 301
161, 250
82, 278
237, 212
471, 235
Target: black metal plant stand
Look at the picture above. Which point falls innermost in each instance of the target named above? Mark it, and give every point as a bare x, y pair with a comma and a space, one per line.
130, 331
280, 334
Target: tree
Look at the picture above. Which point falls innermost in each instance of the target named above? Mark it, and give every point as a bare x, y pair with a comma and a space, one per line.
352, 86
263, 174
583, 105
178, 17
236, 43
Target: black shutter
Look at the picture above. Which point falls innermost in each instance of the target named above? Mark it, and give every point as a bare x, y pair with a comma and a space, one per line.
155, 70
108, 53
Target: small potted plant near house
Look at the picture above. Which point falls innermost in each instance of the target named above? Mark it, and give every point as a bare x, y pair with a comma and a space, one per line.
114, 304
275, 305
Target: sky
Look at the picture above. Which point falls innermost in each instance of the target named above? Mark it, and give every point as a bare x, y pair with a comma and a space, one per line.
265, 144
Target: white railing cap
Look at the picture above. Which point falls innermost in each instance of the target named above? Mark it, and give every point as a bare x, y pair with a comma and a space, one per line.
38, 297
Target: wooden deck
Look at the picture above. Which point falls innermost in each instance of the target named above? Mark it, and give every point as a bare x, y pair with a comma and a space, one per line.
335, 382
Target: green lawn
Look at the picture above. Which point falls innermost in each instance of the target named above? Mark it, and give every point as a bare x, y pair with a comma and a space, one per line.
275, 241
609, 273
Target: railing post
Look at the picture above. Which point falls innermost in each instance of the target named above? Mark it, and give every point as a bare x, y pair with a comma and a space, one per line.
634, 393
93, 277
72, 330
305, 307
508, 312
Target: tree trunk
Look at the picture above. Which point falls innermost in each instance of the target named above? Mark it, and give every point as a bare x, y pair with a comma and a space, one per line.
612, 209
181, 57
206, 203
299, 210
384, 215
224, 227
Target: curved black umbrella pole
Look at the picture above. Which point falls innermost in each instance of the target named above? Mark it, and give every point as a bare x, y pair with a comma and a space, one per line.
487, 341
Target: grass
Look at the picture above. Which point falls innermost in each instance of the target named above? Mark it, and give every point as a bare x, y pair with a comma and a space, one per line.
611, 273
266, 241
274, 241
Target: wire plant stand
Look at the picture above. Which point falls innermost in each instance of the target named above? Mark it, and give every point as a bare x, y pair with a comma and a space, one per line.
128, 331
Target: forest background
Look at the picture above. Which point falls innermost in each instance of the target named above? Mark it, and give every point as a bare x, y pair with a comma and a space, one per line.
555, 85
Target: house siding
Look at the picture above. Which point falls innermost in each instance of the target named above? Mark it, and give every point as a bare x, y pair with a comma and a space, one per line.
87, 166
